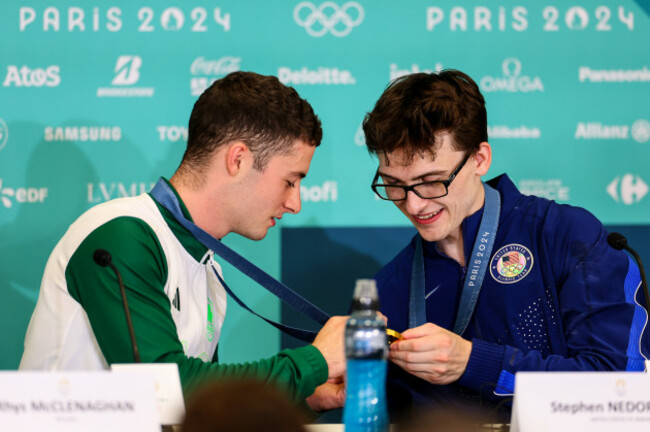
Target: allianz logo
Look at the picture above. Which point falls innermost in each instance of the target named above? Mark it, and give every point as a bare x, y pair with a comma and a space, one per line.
25, 76
327, 192
552, 189
520, 132
82, 133
21, 195
172, 133
101, 192
205, 72
628, 189
127, 73
586, 73
320, 76
396, 72
639, 131
512, 80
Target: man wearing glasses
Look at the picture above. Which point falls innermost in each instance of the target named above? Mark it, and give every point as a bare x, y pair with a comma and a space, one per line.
494, 282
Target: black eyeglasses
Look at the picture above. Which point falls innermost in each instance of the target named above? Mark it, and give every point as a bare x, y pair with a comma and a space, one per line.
426, 190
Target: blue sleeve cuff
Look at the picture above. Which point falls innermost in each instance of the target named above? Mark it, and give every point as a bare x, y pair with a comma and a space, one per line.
484, 366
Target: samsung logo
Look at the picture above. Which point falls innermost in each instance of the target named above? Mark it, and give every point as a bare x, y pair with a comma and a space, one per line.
83, 133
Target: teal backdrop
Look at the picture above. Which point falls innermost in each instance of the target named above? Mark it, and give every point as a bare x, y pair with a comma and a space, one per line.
95, 98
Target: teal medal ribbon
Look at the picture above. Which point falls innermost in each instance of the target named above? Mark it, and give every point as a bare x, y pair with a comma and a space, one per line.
475, 273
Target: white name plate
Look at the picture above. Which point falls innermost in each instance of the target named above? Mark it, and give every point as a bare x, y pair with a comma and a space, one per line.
579, 401
169, 394
77, 401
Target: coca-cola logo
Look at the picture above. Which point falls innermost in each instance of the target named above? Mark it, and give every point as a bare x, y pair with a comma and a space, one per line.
222, 66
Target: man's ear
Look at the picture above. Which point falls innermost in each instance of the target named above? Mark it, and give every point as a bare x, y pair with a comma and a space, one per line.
483, 157
238, 157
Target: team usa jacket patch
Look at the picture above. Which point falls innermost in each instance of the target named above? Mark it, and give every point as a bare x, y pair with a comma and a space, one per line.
511, 263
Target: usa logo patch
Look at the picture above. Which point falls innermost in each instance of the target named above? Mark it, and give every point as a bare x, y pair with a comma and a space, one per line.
511, 263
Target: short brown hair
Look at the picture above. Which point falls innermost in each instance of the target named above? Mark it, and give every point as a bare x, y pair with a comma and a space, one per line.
256, 109
415, 107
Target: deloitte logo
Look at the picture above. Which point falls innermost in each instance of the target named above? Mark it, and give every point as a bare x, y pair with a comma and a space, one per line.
512, 80
21, 195
628, 189
4, 133
396, 72
320, 76
639, 131
205, 72
328, 18
327, 192
127, 73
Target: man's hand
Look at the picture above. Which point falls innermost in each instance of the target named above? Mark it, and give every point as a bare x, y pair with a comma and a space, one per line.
330, 395
432, 353
329, 342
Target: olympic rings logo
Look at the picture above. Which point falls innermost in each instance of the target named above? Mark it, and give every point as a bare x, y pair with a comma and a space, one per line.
328, 17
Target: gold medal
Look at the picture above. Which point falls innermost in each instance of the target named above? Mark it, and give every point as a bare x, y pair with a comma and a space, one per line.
393, 336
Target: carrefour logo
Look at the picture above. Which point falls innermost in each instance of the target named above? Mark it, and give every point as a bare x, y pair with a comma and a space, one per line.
328, 17
512, 80
4, 133
628, 189
25, 76
21, 195
127, 73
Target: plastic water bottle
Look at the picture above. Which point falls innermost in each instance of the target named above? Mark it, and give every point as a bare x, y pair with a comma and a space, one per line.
366, 349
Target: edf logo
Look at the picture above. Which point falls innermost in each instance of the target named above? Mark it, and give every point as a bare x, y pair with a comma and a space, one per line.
21, 195
328, 17
629, 189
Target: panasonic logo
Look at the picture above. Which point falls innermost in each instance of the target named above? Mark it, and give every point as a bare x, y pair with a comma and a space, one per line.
614, 75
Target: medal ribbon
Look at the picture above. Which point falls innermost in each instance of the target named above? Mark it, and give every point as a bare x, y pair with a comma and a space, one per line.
476, 268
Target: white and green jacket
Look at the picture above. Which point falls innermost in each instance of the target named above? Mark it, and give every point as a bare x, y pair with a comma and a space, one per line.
176, 302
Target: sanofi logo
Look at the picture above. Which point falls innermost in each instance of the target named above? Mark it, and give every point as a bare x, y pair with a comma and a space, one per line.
328, 17
628, 189
327, 192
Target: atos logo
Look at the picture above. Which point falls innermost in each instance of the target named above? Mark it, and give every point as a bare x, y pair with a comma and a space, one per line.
328, 18
27, 77
628, 189
4, 133
21, 195
127, 73
512, 80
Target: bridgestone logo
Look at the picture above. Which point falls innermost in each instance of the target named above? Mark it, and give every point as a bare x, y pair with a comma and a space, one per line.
614, 75
125, 92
